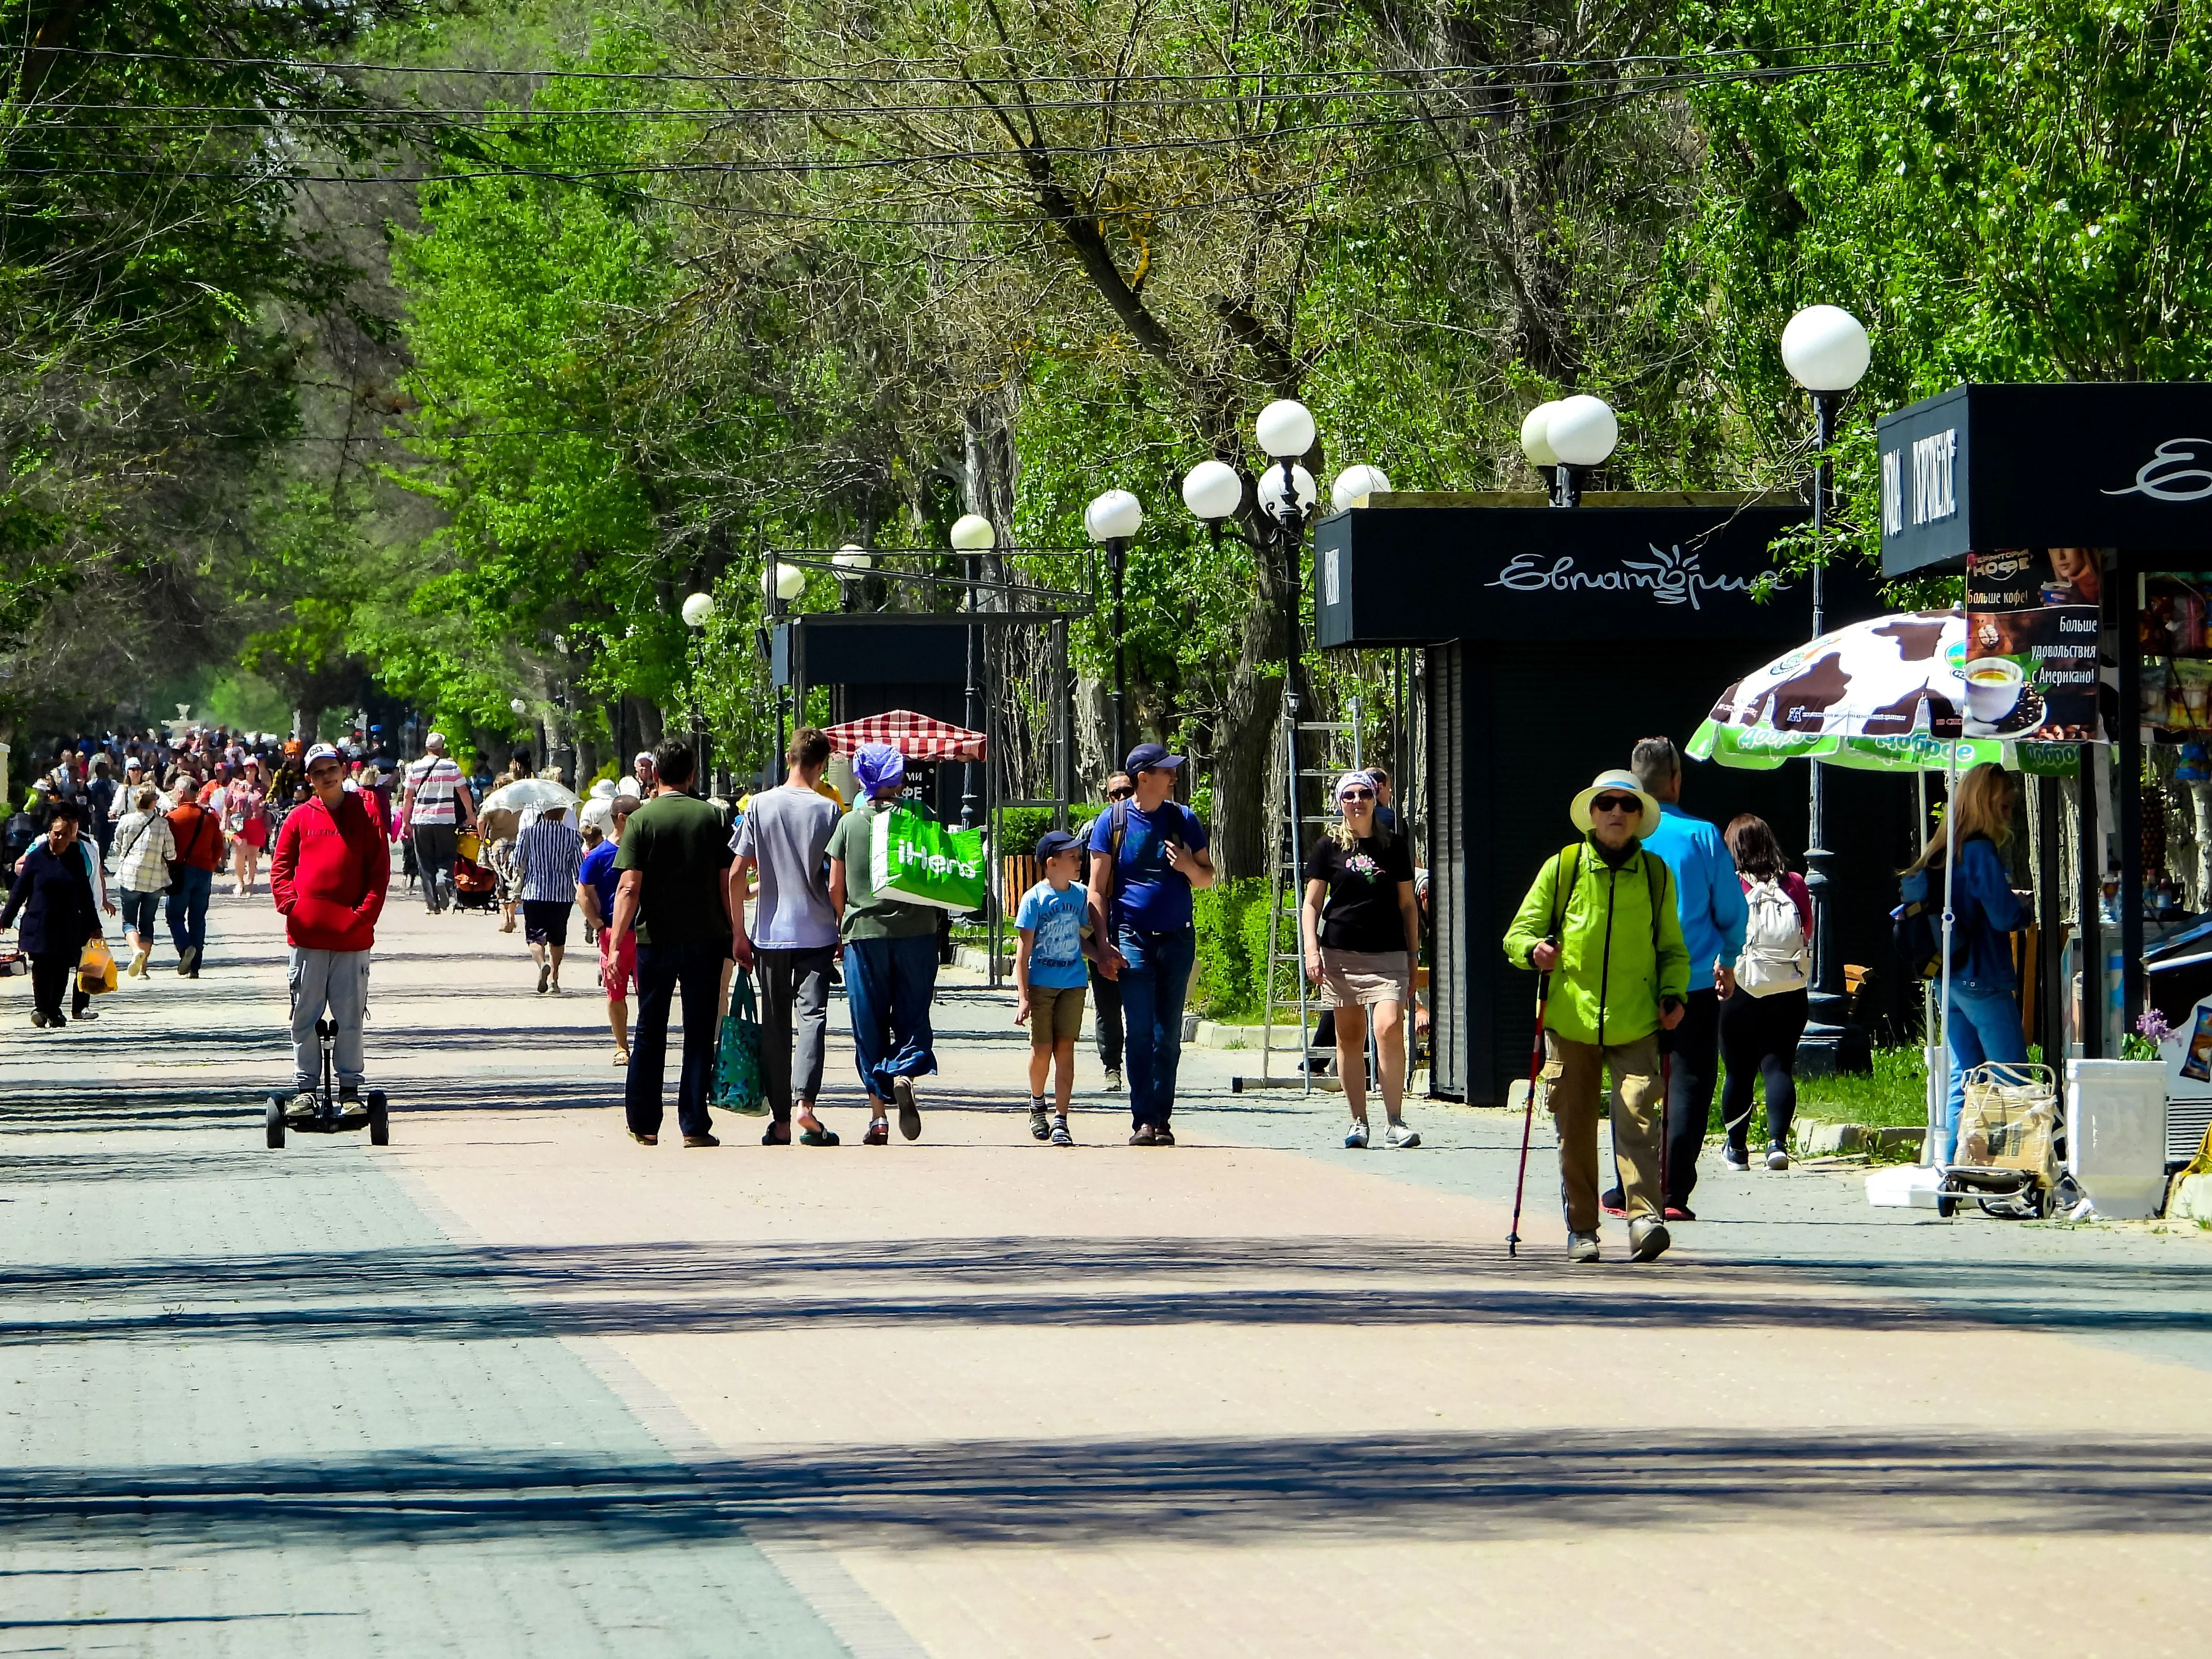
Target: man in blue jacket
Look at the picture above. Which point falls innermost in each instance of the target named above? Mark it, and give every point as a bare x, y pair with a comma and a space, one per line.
1711, 900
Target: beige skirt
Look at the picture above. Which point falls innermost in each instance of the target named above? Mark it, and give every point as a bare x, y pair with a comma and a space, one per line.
1358, 978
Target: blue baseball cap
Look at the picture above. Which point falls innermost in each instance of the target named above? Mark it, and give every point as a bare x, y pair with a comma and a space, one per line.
1052, 844
1152, 757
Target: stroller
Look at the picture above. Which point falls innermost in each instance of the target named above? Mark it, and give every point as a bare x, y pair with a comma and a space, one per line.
2011, 1141
476, 885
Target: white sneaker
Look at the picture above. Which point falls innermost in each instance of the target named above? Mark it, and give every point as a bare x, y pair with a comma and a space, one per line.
1582, 1247
1399, 1135
1737, 1158
1777, 1158
1355, 1139
1113, 1078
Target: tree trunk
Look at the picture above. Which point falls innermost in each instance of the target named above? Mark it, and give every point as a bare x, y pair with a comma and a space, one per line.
1244, 749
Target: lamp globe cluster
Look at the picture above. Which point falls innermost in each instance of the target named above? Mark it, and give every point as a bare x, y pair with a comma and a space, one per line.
1581, 431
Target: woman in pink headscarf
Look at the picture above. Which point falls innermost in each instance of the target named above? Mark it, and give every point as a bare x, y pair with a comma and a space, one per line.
245, 821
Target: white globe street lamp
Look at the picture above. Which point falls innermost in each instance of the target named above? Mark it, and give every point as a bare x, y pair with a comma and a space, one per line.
1825, 349
698, 609
518, 705
1111, 520
784, 582
972, 533
1212, 490
1581, 433
1534, 443
1355, 484
852, 558
1285, 428
1114, 516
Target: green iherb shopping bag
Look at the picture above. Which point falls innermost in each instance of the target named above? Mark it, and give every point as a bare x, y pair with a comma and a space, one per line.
919, 861
738, 1086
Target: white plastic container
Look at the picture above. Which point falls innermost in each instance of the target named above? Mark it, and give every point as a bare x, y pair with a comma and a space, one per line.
1903, 1187
2116, 1134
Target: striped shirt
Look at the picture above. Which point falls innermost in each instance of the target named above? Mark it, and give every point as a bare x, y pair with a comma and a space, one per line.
549, 852
433, 780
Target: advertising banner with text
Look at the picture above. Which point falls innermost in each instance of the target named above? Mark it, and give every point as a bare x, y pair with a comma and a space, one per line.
2032, 620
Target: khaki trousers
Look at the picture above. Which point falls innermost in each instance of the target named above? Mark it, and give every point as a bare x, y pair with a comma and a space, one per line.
1573, 1074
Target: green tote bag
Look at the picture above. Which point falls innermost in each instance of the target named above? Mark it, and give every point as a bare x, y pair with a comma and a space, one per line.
737, 1085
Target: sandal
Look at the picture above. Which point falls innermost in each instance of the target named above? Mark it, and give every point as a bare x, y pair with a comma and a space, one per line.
776, 1134
818, 1136
879, 1134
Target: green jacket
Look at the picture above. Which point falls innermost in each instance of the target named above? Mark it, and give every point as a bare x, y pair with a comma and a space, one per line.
1615, 960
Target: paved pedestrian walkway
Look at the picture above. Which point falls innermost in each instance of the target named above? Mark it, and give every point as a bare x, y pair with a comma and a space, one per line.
516, 1385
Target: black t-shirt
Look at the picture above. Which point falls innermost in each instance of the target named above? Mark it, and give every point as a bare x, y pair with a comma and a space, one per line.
1362, 911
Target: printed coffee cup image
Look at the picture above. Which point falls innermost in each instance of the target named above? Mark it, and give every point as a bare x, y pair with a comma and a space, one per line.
1993, 688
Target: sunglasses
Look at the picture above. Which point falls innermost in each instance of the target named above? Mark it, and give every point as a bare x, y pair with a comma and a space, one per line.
1617, 803
1357, 794
1119, 794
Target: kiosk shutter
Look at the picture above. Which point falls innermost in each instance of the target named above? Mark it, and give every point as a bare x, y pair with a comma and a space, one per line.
1448, 896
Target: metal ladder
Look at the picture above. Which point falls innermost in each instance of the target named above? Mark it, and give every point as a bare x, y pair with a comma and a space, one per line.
1285, 951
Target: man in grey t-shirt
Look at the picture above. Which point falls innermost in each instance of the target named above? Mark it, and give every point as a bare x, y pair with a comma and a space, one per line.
784, 835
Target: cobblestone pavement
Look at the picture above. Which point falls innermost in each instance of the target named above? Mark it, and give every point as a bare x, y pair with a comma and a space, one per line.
516, 1385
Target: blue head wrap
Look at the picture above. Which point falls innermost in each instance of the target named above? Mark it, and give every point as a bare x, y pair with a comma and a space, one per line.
878, 766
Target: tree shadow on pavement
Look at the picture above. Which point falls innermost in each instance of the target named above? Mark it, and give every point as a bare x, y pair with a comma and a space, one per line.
1312, 1489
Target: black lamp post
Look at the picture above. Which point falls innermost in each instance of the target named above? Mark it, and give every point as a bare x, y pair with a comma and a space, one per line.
1825, 351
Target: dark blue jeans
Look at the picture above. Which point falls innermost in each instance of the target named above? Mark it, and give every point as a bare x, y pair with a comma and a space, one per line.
696, 966
889, 983
187, 909
1153, 986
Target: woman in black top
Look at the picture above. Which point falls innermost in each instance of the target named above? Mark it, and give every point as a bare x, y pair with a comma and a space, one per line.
1362, 933
54, 895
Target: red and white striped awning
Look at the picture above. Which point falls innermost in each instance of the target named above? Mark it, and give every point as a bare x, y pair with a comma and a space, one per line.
915, 736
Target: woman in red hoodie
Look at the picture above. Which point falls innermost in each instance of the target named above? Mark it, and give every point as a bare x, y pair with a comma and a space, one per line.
329, 875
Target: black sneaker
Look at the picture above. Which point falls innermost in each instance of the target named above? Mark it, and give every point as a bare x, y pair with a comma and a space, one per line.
187, 959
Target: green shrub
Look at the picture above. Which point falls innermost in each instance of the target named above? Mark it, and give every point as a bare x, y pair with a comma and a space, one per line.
1019, 829
1224, 985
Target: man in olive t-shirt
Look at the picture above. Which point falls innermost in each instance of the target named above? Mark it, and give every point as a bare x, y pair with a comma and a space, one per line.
891, 953
672, 889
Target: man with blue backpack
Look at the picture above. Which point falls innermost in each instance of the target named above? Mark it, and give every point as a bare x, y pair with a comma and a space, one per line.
1147, 854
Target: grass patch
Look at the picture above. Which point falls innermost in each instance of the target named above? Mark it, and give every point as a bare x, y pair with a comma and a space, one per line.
1895, 1093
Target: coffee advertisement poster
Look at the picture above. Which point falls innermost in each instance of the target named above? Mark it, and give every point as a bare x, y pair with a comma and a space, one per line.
2031, 667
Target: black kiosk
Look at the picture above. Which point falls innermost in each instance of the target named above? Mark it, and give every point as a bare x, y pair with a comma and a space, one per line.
1552, 639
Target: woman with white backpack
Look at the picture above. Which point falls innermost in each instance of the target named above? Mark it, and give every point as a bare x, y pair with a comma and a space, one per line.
1761, 1023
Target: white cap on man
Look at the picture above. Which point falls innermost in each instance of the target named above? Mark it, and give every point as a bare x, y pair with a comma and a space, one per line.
435, 743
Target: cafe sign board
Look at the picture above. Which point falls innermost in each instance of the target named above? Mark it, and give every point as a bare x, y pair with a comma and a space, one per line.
2120, 464
1392, 575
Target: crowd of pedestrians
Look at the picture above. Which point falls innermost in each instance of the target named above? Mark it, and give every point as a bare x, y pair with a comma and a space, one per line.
1672, 954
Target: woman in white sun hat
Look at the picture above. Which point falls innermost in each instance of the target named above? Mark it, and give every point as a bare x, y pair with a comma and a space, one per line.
1602, 923
1362, 932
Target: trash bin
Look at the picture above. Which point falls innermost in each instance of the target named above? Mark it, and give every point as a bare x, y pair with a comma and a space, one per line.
2116, 1134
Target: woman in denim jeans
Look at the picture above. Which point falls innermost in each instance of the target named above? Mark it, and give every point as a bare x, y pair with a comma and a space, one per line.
144, 848
1984, 1013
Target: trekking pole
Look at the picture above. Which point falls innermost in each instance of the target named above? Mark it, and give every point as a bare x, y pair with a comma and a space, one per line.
1529, 1116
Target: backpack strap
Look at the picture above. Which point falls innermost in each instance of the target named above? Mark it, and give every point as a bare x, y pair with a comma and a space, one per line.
1117, 826
1574, 874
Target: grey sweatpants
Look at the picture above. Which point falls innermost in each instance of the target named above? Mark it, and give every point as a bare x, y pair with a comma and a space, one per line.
795, 1003
337, 981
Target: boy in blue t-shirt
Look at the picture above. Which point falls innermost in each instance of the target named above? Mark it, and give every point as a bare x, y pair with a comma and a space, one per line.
1050, 975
